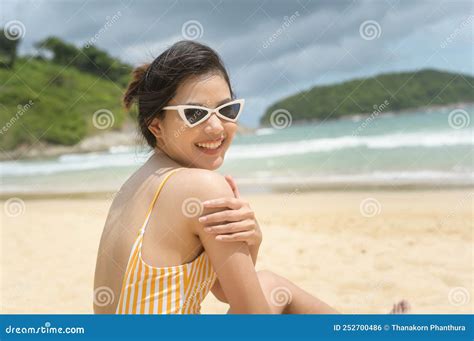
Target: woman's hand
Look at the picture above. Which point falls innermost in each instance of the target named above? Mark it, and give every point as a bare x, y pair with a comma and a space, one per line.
238, 223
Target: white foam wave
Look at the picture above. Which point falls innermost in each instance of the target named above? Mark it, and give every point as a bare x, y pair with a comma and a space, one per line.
71, 163
265, 131
388, 141
123, 157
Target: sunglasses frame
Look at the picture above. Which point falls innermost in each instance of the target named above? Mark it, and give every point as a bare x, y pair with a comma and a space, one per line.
182, 107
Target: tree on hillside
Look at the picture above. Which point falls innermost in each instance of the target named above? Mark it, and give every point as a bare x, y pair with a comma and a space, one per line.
8, 48
88, 59
101, 63
62, 52
403, 90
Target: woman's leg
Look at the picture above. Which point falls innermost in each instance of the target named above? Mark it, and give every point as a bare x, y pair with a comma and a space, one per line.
284, 297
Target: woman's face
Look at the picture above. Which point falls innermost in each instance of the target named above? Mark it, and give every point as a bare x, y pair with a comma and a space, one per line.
196, 147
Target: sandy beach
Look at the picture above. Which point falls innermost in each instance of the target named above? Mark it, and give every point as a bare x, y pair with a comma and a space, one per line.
360, 251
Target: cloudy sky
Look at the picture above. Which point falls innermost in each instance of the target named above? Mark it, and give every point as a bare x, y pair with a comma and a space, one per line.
272, 48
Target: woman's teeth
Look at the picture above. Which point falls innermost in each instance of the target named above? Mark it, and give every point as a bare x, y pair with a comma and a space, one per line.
207, 145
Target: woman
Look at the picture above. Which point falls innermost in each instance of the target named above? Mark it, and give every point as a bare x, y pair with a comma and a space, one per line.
200, 235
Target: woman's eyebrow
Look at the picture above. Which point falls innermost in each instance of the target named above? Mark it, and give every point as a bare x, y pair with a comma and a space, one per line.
218, 104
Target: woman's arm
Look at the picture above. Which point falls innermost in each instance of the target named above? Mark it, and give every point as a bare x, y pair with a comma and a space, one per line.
232, 262
244, 230
255, 245
236, 223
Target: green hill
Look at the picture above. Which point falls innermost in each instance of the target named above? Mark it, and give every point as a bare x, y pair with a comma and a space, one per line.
45, 101
401, 91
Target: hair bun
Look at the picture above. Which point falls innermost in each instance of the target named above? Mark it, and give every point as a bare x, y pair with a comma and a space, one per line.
131, 94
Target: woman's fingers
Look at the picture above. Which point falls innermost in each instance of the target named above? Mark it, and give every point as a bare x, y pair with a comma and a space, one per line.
236, 237
241, 226
233, 185
231, 203
235, 224
227, 215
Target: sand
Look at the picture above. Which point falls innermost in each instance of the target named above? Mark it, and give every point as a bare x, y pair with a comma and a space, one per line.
415, 244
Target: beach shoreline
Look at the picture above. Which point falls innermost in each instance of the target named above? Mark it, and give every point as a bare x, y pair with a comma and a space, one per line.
283, 189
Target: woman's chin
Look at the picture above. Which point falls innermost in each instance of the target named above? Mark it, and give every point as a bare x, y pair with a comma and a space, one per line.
211, 164
215, 164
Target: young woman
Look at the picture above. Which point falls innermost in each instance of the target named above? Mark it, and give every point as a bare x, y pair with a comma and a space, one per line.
176, 229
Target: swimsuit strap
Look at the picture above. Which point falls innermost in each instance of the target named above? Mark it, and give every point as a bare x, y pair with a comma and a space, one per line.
152, 204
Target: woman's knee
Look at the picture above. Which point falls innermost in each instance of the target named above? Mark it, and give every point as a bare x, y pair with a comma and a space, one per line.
267, 278
275, 290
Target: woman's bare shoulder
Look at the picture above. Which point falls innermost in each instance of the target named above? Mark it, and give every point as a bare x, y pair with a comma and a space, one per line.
201, 183
182, 195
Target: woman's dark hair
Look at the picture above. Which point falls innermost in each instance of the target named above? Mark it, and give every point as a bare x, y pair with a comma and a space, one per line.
154, 85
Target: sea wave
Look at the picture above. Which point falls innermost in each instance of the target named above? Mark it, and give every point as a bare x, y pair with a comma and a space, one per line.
72, 163
124, 157
265, 131
387, 141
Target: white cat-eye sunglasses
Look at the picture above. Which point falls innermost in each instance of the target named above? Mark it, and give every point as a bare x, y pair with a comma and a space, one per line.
193, 115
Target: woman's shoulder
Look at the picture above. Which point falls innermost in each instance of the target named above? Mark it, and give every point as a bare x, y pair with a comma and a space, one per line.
199, 182
198, 179
198, 174
185, 191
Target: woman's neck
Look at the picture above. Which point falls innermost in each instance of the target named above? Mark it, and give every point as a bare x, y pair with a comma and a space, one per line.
162, 160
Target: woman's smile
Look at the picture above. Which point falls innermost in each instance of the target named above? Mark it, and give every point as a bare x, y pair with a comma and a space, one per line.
212, 147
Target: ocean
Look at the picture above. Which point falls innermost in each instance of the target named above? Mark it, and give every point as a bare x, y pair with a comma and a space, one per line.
430, 147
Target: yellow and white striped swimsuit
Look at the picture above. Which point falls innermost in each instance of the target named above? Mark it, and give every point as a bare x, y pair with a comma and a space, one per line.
176, 289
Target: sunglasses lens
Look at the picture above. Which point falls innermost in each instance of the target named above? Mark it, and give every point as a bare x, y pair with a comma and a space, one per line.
231, 111
194, 115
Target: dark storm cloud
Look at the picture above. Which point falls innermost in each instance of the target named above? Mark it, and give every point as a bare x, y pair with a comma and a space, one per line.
272, 48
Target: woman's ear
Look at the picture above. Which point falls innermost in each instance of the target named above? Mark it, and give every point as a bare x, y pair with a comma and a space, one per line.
155, 128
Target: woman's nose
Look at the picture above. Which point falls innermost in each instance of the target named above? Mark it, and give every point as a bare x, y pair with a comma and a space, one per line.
214, 125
